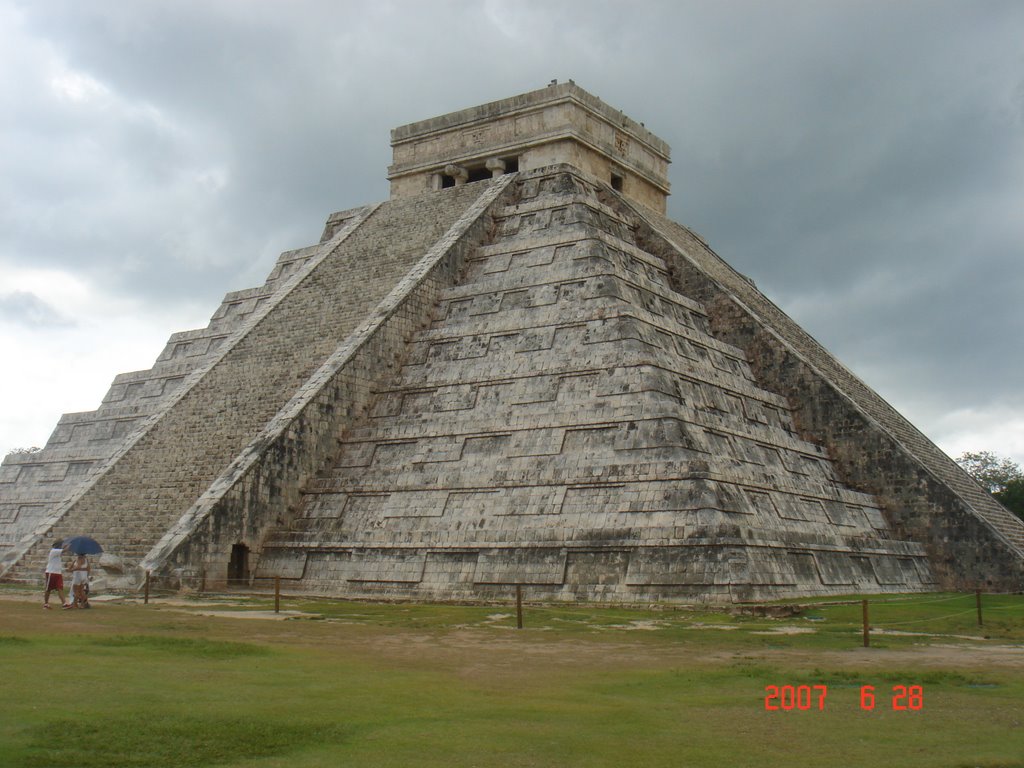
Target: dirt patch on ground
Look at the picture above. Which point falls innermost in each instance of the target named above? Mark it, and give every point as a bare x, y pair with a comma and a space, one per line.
785, 631
264, 615
494, 644
473, 649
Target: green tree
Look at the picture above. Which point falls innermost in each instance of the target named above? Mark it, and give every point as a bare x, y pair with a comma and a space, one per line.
992, 471
1012, 496
1001, 477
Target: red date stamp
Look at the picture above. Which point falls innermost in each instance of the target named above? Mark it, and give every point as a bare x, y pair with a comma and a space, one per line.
788, 698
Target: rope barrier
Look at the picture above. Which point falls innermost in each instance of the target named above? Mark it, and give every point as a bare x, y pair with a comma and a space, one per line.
922, 621
1004, 607
913, 601
898, 601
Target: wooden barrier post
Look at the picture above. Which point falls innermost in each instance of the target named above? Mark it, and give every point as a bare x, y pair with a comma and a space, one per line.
277, 594
519, 606
977, 599
145, 600
867, 631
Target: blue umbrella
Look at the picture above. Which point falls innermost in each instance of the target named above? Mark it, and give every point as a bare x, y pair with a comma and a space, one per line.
83, 545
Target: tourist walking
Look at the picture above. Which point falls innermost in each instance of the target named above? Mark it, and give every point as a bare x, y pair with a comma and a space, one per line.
54, 574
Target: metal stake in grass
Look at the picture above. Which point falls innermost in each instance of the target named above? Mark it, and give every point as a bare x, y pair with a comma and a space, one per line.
519, 606
145, 599
977, 599
867, 631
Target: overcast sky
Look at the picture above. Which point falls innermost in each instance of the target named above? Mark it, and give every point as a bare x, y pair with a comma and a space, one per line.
863, 162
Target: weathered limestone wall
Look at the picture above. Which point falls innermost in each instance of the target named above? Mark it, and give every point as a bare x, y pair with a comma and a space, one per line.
971, 540
597, 164
263, 486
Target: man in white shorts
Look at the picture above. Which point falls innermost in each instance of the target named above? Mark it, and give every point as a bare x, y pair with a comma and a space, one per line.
54, 573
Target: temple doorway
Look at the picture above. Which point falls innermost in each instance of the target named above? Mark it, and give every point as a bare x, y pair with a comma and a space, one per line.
238, 566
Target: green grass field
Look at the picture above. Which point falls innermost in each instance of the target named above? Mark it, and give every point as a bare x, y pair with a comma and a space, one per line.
210, 682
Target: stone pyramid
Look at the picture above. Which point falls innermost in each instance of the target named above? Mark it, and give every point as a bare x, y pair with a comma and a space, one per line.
515, 371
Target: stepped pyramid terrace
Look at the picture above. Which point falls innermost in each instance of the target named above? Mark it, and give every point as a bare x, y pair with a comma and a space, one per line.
516, 370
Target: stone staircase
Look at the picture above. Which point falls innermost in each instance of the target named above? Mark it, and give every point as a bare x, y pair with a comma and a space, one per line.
282, 335
566, 401
34, 485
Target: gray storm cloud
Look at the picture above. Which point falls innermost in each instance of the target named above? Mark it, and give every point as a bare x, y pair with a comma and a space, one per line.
863, 162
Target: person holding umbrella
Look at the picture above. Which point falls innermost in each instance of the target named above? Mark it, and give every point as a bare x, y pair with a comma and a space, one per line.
79, 583
81, 546
54, 574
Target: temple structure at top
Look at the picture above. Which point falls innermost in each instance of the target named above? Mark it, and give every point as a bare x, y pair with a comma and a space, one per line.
558, 124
